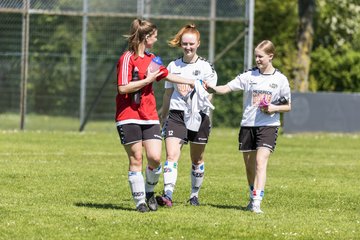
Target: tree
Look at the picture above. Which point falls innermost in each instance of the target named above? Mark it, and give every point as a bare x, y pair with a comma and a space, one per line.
336, 51
304, 41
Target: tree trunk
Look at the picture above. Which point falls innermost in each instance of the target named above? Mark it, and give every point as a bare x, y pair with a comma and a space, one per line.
304, 44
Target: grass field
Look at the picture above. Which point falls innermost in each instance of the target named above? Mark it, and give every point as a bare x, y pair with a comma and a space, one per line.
71, 185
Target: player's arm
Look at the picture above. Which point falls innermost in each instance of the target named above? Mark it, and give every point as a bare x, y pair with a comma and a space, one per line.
278, 108
177, 79
210, 77
222, 89
134, 86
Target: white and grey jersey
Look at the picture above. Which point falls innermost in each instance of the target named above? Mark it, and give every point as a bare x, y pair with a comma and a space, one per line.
257, 86
201, 69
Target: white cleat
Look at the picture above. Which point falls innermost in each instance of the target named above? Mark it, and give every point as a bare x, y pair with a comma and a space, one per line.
256, 209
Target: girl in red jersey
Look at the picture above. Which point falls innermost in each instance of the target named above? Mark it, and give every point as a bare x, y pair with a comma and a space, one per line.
136, 116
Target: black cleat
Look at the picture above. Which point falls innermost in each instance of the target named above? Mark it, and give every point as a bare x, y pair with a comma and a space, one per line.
142, 208
152, 203
194, 201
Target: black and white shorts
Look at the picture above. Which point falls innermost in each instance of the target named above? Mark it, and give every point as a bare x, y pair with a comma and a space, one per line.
252, 138
131, 133
175, 127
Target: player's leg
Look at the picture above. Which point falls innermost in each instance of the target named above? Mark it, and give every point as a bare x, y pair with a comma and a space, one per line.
247, 145
266, 141
130, 136
152, 143
197, 171
175, 136
173, 152
262, 158
198, 141
250, 166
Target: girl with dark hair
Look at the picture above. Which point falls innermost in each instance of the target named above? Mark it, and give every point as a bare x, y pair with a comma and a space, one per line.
136, 116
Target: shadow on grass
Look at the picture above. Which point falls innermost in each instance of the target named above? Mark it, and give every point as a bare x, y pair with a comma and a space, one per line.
236, 207
102, 206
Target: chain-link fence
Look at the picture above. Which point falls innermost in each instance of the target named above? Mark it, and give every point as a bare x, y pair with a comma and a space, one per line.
58, 57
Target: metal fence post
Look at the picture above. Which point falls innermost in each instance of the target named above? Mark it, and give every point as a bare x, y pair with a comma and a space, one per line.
24, 62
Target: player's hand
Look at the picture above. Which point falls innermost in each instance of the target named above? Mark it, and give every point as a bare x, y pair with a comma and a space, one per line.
208, 88
269, 109
151, 76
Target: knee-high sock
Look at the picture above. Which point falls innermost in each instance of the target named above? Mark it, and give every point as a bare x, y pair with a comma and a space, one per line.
170, 177
197, 178
152, 178
137, 186
258, 196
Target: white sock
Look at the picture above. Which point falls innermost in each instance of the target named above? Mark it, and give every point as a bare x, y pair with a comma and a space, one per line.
170, 176
258, 196
152, 178
137, 186
197, 178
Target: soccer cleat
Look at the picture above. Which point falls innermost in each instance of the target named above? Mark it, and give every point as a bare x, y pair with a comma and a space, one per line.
194, 201
256, 209
152, 203
142, 208
164, 201
249, 207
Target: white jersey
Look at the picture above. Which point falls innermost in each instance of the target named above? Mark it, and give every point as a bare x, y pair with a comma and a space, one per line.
256, 87
201, 69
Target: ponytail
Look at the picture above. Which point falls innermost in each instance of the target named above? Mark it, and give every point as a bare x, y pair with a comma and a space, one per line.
139, 30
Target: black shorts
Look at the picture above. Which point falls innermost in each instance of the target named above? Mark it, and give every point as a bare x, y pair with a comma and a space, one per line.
252, 138
131, 133
175, 127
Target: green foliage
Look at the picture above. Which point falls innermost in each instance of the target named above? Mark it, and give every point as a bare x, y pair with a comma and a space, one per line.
55, 51
336, 70
278, 21
54, 72
335, 60
67, 185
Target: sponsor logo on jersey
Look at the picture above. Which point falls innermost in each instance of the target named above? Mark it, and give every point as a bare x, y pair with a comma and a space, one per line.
196, 72
273, 85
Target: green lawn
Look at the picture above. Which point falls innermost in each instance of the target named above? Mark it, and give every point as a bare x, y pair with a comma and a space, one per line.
71, 185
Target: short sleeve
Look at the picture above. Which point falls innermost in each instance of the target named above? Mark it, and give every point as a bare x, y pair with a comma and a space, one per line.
238, 83
167, 83
164, 73
124, 69
210, 75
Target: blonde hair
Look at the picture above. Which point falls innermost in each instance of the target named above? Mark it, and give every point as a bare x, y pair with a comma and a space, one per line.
267, 46
139, 30
189, 28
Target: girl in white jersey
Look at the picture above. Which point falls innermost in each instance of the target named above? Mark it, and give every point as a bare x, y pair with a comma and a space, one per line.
176, 129
267, 94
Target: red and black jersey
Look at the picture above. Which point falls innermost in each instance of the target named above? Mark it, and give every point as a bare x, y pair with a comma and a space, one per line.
146, 112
